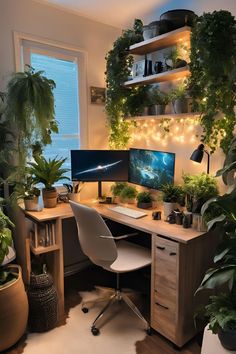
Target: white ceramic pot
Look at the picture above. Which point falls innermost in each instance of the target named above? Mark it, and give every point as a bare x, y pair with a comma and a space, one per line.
168, 208
31, 204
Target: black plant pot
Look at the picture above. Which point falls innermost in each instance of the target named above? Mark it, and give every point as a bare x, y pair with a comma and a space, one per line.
144, 205
179, 17
227, 339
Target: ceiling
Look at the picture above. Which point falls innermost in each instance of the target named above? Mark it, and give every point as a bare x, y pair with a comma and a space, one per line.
118, 13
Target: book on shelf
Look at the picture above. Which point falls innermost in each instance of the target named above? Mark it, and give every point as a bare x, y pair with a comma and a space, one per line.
43, 234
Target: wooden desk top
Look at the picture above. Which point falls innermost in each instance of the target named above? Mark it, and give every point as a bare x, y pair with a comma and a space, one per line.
146, 224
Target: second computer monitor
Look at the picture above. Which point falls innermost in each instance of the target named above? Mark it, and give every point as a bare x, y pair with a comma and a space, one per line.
151, 168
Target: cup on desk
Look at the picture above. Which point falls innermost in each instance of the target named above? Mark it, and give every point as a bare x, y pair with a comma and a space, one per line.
75, 197
156, 215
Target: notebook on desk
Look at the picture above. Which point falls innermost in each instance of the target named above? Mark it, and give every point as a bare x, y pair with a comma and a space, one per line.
136, 214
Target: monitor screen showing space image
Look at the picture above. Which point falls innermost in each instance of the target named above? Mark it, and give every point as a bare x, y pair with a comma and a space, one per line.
99, 165
151, 168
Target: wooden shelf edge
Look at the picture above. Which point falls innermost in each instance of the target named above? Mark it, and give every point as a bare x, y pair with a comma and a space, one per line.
41, 249
165, 76
161, 41
162, 116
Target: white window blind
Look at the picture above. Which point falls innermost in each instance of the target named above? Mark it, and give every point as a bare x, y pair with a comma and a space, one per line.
65, 75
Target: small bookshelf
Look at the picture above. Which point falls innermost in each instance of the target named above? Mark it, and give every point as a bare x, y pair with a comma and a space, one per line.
43, 237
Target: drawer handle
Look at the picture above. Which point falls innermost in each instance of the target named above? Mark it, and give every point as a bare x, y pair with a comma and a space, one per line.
164, 307
172, 253
161, 248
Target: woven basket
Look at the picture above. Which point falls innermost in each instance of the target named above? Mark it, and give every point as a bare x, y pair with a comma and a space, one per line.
43, 303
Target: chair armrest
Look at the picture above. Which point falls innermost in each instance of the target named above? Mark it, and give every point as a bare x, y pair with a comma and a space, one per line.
120, 237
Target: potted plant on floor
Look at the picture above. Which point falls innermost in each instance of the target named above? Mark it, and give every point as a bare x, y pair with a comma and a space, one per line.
48, 172
158, 101
144, 200
13, 299
221, 278
170, 196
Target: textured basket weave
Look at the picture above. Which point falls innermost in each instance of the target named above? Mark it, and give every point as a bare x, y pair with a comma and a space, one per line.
43, 303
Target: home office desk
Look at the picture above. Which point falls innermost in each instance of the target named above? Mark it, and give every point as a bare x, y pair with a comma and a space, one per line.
179, 259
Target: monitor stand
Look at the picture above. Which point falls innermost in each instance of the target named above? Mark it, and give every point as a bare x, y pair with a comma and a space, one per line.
107, 200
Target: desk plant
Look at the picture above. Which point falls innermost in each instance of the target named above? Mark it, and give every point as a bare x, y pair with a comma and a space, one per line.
48, 172
117, 188
212, 80
13, 299
221, 278
25, 189
128, 194
171, 194
144, 200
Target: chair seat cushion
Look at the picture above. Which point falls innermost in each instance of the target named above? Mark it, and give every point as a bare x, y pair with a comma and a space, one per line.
130, 257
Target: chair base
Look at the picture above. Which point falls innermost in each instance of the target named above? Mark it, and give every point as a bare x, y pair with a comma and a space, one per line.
113, 296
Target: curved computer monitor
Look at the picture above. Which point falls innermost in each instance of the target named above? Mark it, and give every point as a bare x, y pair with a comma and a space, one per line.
150, 168
99, 165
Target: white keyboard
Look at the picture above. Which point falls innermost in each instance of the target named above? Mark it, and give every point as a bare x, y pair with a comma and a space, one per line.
136, 214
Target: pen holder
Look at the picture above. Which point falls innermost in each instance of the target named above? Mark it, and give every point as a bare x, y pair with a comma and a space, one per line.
75, 197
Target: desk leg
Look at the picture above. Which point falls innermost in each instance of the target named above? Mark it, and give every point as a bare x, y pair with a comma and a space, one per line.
56, 266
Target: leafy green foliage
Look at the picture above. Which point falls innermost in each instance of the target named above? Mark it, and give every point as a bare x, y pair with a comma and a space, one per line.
47, 172
212, 80
222, 312
128, 192
156, 96
229, 168
201, 186
171, 193
178, 93
117, 188
30, 107
5, 235
25, 187
122, 101
144, 197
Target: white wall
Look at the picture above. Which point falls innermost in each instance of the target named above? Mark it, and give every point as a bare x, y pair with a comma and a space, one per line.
45, 21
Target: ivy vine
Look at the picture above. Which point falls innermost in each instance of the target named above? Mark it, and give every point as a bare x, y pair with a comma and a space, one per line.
120, 100
213, 76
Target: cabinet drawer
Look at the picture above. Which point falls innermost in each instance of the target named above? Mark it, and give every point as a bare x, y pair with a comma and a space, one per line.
164, 320
165, 297
166, 263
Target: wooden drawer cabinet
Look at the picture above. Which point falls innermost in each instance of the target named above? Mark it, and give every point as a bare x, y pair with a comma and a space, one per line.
177, 270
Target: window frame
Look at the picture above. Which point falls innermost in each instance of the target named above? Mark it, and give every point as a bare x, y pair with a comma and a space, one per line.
23, 43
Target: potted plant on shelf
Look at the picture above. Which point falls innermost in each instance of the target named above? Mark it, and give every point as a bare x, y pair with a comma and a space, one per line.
13, 299
144, 200
170, 196
178, 97
128, 194
48, 173
158, 101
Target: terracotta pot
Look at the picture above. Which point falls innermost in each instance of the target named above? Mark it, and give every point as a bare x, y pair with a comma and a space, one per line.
49, 198
14, 311
31, 204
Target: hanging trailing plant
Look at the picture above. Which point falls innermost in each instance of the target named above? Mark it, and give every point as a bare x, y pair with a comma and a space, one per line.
30, 109
120, 100
213, 75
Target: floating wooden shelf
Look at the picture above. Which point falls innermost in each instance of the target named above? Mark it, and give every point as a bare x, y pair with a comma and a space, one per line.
162, 41
165, 76
41, 249
163, 116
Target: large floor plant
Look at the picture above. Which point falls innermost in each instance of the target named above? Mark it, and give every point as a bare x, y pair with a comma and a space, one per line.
120, 100
221, 278
213, 74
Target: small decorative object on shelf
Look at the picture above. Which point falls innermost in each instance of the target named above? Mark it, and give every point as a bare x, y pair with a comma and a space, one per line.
43, 303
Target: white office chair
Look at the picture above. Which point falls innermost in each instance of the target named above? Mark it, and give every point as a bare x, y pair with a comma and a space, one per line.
99, 245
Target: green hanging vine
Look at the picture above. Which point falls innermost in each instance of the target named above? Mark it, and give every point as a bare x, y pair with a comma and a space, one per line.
121, 101
213, 76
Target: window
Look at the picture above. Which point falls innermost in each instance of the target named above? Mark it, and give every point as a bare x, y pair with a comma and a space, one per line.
66, 65
65, 75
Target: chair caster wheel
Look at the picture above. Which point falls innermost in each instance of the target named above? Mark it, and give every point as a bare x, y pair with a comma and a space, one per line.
85, 310
95, 331
149, 331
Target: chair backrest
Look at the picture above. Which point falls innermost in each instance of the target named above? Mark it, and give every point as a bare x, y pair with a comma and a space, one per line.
91, 226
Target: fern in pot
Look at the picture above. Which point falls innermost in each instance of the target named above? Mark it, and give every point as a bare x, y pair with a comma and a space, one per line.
144, 200
48, 172
117, 188
128, 194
